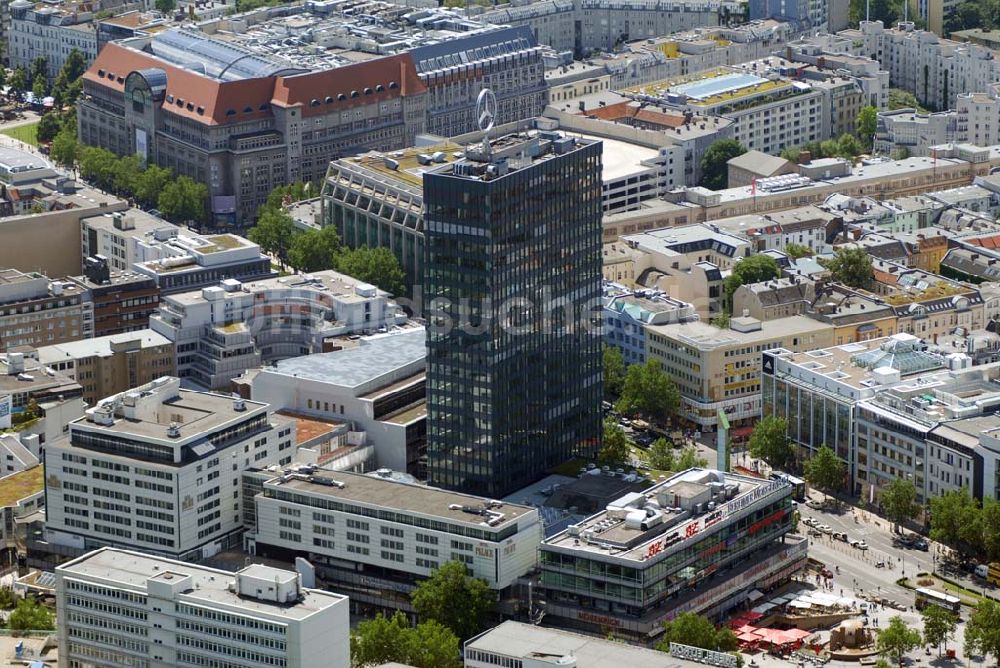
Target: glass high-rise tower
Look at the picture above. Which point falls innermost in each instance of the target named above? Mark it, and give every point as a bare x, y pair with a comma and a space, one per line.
512, 288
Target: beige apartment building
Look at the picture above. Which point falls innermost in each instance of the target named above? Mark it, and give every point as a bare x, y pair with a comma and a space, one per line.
719, 369
35, 311
112, 364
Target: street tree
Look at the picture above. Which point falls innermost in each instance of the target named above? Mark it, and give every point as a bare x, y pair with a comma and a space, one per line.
392, 640
714, 162
18, 81
825, 470
166, 6
29, 615
64, 146
315, 250
769, 441
39, 69
378, 266
38, 89
690, 459
184, 200
751, 269
982, 631
649, 391
898, 498
614, 371
989, 528
150, 183
274, 233
897, 639
455, 599
127, 171
852, 267
8, 599
848, 146
48, 127
952, 515
866, 125
695, 630
939, 625
614, 447
661, 455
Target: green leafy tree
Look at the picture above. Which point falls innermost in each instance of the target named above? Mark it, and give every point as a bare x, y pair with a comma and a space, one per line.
67, 86
30, 616
614, 371
391, 639
3, 75
661, 455
274, 233
751, 269
166, 6
769, 441
614, 447
378, 266
649, 391
286, 194
74, 66
897, 639
127, 171
848, 146
866, 124
721, 320
954, 517
982, 631
97, 165
939, 625
852, 267
39, 68
898, 498
48, 127
184, 200
967, 15
455, 599
315, 250
18, 81
8, 599
795, 251
989, 528
690, 459
688, 628
714, 163
64, 146
902, 99
825, 470
150, 183
38, 89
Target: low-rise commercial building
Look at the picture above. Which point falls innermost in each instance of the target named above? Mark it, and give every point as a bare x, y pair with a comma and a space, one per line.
22, 493
627, 312
719, 369
362, 530
108, 365
377, 384
158, 468
122, 301
170, 613
224, 330
700, 541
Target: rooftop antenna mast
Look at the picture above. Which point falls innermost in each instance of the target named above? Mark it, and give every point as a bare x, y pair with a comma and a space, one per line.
486, 114
868, 11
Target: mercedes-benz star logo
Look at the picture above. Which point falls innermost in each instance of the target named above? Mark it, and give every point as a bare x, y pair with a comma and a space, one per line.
486, 110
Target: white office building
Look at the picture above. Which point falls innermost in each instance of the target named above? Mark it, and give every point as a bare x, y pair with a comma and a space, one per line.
223, 330
158, 468
123, 608
364, 531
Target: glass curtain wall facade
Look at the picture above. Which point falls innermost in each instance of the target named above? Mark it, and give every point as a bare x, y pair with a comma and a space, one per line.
512, 279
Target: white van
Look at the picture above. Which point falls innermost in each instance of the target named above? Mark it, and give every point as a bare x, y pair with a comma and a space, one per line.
982, 570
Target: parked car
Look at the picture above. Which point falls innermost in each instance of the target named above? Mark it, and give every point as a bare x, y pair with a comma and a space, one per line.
840, 535
825, 528
810, 521
861, 545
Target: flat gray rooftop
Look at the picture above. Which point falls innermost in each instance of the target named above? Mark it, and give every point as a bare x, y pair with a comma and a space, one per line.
525, 641
420, 499
16, 160
355, 366
131, 570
